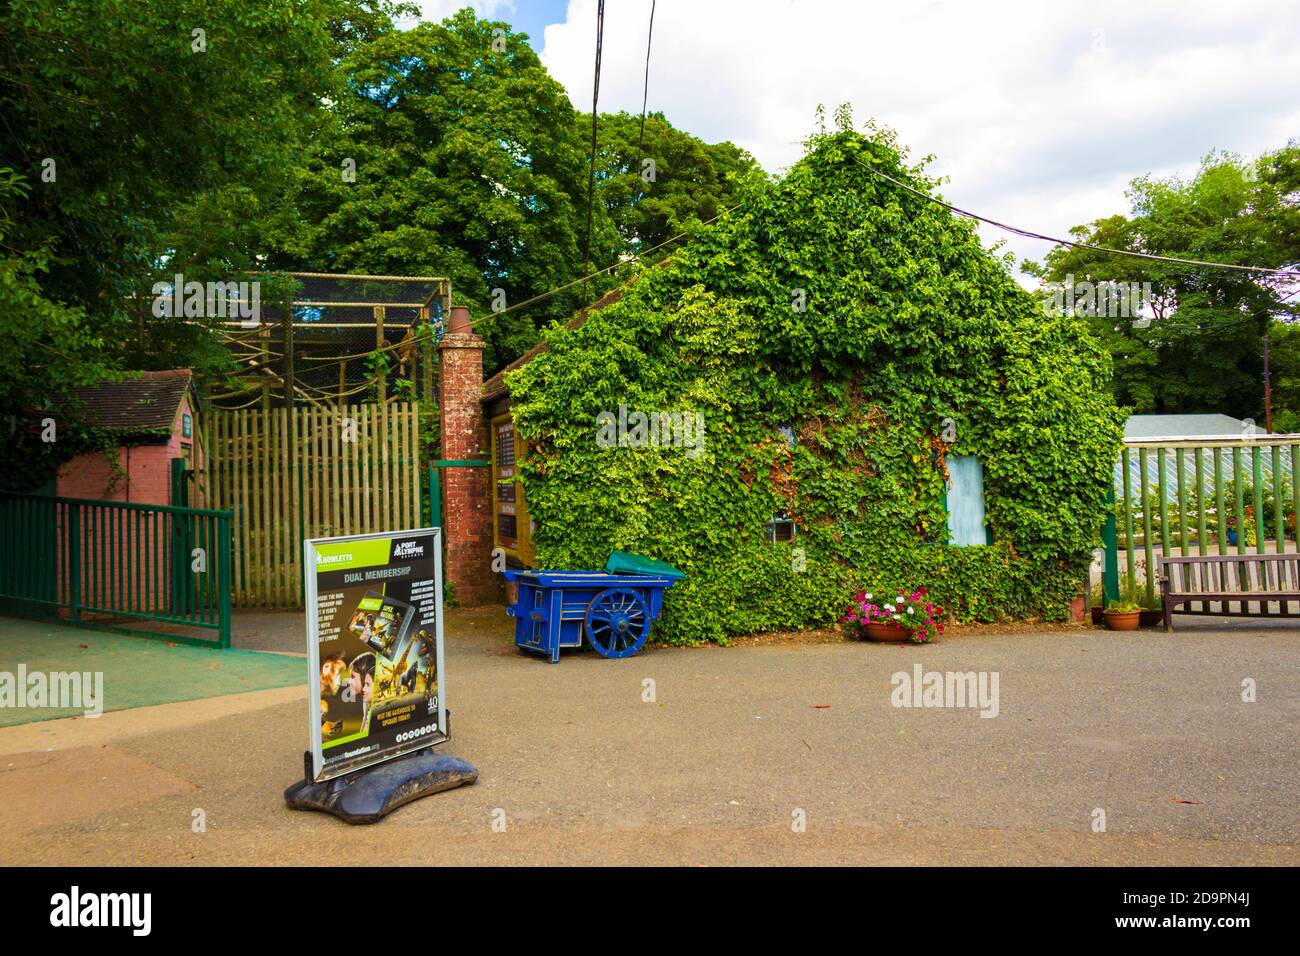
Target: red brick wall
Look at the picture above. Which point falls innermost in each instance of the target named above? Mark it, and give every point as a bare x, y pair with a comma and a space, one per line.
466, 520
108, 536
144, 478
147, 479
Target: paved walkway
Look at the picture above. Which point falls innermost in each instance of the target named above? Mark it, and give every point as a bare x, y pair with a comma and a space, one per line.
136, 672
737, 743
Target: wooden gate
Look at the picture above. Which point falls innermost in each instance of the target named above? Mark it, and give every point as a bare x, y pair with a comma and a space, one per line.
1176, 496
313, 472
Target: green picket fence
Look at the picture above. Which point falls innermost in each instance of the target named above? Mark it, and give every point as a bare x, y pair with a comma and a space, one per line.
1201, 497
102, 563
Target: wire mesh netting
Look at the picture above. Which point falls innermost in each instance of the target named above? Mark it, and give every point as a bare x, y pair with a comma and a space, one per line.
342, 339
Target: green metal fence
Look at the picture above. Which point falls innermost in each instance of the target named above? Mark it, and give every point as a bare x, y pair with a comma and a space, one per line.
103, 563
1200, 497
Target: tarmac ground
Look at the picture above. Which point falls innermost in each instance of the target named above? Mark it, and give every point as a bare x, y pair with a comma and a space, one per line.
1107, 748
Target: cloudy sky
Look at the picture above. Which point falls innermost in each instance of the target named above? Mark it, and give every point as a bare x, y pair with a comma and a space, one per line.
1040, 113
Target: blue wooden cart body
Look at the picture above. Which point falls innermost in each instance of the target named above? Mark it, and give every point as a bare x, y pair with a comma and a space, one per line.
556, 609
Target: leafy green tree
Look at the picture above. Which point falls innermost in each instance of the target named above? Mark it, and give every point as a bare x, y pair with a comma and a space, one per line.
453, 152
46, 350
119, 116
1196, 347
1284, 365
652, 183
468, 163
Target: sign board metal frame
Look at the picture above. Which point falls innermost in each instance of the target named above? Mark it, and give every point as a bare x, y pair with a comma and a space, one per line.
319, 771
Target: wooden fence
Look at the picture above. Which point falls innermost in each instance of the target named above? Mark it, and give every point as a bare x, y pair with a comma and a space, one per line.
315, 472
1203, 496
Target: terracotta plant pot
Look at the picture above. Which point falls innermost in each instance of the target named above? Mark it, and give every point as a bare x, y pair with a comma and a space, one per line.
1123, 620
890, 633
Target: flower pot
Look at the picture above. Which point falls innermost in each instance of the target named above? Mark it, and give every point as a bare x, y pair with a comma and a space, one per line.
1097, 610
890, 633
1232, 536
1123, 620
1150, 618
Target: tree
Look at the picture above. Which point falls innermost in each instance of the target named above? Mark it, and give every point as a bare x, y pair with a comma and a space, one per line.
453, 152
467, 164
1284, 362
653, 184
1196, 344
119, 114
48, 349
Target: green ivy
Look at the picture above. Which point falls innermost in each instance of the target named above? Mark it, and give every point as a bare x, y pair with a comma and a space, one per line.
908, 322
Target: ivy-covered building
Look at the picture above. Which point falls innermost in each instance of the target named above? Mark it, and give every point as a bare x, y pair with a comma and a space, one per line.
835, 386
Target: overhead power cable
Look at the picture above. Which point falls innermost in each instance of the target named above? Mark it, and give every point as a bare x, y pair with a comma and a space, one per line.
1028, 234
622, 262
645, 93
591, 177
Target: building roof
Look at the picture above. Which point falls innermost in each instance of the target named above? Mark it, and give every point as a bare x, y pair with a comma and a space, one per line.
143, 405
495, 387
1147, 427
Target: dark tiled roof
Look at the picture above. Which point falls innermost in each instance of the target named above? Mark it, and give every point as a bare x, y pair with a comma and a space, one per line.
137, 406
495, 387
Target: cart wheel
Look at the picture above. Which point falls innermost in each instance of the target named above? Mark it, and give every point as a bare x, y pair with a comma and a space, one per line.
617, 622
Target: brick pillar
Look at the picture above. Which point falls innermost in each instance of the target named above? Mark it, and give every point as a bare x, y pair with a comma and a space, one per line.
466, 520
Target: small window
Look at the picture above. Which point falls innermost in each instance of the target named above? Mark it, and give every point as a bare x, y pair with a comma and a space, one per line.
965, 501
507, 526
512, 528
781, 528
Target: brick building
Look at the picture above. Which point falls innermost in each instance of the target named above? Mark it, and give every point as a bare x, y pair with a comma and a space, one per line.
153, 419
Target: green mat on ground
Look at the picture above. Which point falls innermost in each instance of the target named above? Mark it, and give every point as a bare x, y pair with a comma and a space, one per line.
137, 671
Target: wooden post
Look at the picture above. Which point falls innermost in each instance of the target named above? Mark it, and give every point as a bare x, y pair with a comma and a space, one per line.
382, 392
263, 338
425, 327
287, 336
1110, 546
343, 381
1268, 390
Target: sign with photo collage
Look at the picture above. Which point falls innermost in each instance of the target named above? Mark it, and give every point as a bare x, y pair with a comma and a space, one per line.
374, 642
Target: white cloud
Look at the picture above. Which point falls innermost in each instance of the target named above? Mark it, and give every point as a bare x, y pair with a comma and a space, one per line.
436, 10
1039, 112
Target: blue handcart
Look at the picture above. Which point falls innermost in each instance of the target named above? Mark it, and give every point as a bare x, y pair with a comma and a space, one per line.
613, 611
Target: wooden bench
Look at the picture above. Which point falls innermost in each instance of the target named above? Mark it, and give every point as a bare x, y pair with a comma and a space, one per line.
1228, 579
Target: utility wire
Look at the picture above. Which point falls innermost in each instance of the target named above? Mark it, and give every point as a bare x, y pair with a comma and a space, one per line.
622, 262
645, 93
591, 177
1292, 273
484, 320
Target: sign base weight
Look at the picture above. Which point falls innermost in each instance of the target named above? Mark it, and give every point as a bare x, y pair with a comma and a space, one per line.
370, 794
